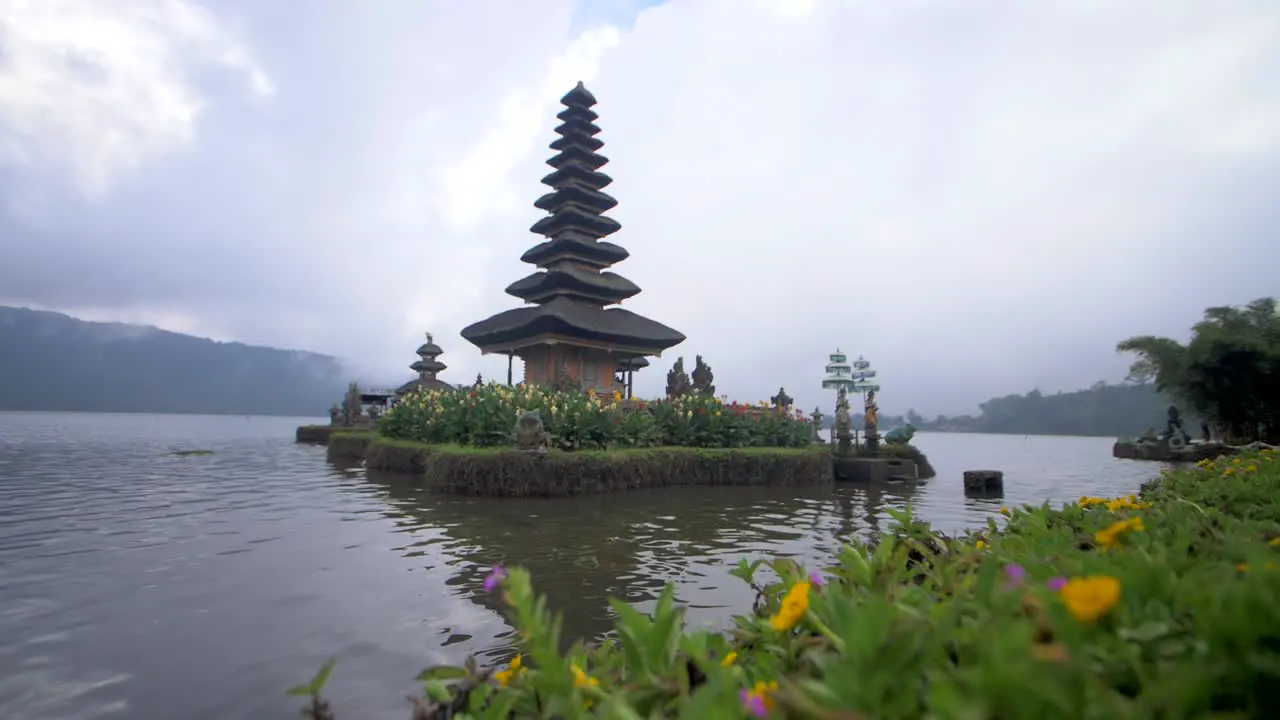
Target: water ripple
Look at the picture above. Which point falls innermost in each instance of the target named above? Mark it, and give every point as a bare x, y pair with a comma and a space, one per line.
143, 584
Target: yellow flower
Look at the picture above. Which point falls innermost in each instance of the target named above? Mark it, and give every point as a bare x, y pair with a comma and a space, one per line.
1088, 599
982, 545
729, 659
517, 668
1117, 530
1005, 511
1274, 542
582, 679
794, 605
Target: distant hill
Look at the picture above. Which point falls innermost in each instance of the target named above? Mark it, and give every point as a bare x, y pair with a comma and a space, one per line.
51, 361
1102, 410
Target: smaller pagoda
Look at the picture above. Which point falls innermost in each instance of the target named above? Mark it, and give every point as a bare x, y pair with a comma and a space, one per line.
427, 367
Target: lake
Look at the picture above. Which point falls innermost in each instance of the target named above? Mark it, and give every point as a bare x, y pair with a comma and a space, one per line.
141, 584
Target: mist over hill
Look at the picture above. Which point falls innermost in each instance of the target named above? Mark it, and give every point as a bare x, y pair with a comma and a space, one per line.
51, 361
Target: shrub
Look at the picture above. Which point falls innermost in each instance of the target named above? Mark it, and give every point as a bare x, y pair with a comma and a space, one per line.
1162, 605
484, 416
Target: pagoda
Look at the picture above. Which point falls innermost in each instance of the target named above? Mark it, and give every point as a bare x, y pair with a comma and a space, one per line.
839, 372
427, 366
567, 327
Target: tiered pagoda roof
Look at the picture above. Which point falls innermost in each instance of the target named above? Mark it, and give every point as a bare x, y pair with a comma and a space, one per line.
427, 366
572, 287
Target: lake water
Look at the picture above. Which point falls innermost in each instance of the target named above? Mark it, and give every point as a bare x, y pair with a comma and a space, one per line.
138, 584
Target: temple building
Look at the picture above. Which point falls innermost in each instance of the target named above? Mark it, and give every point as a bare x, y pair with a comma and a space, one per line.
567, 331
427, 366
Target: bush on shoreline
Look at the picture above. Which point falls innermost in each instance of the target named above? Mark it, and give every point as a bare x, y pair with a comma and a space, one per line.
484, 416
1165, 604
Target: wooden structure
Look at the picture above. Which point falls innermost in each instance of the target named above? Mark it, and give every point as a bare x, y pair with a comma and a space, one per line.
567, 333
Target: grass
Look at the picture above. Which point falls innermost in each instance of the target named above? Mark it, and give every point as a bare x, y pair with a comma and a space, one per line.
1165, 605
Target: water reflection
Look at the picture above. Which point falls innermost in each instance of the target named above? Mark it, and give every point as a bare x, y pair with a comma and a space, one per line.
583, 550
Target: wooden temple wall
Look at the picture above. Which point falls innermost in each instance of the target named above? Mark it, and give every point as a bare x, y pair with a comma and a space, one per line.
589, 368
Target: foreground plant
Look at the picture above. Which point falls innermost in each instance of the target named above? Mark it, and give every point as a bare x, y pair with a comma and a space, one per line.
1107, 608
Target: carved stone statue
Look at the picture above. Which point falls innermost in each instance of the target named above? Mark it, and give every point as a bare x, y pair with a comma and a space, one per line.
1173, 427
816, 418
843, 422
900, 435
479, 380
677, 380
703, 378
564, 381
782, 400
335, 415
529, 433
871, 427
351, 405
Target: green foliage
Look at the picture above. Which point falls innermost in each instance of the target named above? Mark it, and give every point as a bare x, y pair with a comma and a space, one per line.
1102, 410
1164, 606
1230, 371
484, 416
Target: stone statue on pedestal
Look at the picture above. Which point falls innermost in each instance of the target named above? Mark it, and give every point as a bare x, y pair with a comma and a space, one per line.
677, 380
529, 433
703, 378
782, 400
871, 428
843, 422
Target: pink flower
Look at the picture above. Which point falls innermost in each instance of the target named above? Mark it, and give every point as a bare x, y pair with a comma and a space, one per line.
1015, 574
754, 703
1056, 584
495, 578
816, 579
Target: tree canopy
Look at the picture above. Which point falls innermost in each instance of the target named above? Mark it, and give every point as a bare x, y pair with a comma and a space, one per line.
1229, 371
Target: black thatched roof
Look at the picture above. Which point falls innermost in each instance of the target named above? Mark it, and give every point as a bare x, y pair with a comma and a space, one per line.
428, 365
568, 280
429, 384
429, 349
573, 319
634, 363
567, 246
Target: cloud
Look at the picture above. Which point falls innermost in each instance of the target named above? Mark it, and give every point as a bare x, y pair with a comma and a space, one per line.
981, 197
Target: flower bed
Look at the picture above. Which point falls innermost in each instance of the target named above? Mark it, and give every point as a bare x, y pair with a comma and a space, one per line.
1164, 605
484, 416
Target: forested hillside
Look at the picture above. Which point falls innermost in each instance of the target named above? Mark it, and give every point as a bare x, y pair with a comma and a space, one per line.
50, 361
1103, 410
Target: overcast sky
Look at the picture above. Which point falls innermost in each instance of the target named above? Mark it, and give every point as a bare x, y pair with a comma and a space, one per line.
981, 196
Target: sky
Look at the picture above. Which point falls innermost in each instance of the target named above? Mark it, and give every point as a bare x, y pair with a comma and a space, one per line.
980, 196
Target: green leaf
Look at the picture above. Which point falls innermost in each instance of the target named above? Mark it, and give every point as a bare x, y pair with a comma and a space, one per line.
437, 690
442, 672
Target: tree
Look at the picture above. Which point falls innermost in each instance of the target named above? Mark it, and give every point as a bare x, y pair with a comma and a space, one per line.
914, 417
1229, 373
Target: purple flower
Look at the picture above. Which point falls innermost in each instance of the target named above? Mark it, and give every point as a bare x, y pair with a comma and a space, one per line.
495, 578
1056, 584
815, 578
1015, 574
754, 703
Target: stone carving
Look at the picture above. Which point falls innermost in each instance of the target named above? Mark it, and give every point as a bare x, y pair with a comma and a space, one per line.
479, 380
871, 427
782, 400
677, 380
843, 422
351, 405
816, 418
900, 435
564, 381
703, 378
335, 415
529, 433
1174, 432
